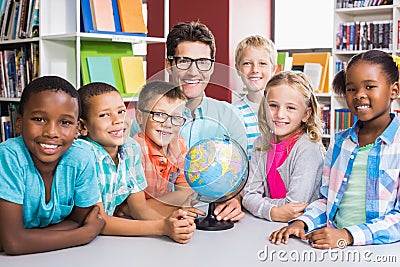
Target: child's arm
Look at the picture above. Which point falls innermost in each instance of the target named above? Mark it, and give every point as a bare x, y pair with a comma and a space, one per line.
15, 239
180, 198
177, 226
74, 220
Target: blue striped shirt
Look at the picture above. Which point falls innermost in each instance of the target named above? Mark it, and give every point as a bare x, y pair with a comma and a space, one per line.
250, 121
382, 224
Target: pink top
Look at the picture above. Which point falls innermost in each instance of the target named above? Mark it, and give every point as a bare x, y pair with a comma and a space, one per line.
278, 153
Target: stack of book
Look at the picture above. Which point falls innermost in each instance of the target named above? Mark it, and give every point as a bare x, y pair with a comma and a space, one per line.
18, 67
19, 19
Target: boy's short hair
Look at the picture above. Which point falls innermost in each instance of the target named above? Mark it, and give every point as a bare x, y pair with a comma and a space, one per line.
47, 83
90, 90
256, 41
192, 31
152, 91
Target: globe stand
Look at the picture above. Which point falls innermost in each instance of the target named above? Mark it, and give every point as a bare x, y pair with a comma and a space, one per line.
210, 223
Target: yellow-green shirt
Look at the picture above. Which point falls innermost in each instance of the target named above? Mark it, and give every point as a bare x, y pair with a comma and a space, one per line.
352, 208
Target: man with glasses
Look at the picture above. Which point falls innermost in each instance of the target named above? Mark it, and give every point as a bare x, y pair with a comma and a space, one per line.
190, 58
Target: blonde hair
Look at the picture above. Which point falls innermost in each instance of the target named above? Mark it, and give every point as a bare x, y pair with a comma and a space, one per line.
299, 81
256, 41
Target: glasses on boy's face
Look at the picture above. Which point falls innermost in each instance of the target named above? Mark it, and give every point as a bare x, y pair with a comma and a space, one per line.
184, 63
163, 117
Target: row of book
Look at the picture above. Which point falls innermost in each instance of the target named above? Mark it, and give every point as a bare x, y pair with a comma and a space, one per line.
364, 35
7, 121
114, 16
19, 19
18, 67
340, 65
130, 69
361, 3
343, 119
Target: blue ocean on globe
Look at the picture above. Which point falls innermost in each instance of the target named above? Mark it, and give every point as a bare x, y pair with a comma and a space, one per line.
215, 167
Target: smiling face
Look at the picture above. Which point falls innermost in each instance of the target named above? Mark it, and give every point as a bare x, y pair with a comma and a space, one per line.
368, 94
255, 68
192, 81
286, 110
49, 126
106, 121
161, 133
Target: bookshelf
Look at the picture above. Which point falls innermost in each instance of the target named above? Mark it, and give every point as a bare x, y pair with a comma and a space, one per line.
62, 40
359, 27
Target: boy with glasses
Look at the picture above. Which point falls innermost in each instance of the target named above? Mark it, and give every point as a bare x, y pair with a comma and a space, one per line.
160, 115
119, 170
193, 42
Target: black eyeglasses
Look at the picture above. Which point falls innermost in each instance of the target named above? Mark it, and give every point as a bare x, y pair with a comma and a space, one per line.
163, 117
184, 63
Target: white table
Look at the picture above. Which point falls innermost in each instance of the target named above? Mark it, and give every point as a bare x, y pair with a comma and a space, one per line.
239, 246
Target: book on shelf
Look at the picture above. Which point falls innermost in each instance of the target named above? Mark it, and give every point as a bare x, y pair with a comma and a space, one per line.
299, 59
132, 73
325, 115
314, 73
6, 17
3, 85
10, 72
33, 29
5, 127
102, 15
100, 70
88, 18
281, 59
131, 16
13, 113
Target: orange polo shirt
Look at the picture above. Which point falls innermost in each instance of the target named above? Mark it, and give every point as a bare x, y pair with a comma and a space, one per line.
161, 171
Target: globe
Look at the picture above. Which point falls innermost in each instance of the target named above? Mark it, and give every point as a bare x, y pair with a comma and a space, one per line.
217, 170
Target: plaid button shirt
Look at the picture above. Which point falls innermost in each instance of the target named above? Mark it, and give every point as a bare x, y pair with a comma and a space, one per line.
116, 184
382, 224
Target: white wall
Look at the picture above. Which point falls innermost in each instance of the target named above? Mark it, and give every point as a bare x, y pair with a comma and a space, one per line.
303, 24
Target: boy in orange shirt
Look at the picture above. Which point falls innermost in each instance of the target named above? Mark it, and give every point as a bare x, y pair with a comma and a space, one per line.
160, 115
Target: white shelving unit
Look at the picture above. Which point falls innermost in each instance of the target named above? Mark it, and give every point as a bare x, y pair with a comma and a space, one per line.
363, 14
60, 38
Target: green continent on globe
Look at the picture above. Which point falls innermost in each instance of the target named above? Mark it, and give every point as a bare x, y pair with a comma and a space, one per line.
215, 167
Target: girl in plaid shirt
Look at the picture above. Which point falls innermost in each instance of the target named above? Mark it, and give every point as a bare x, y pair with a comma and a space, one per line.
359, 196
